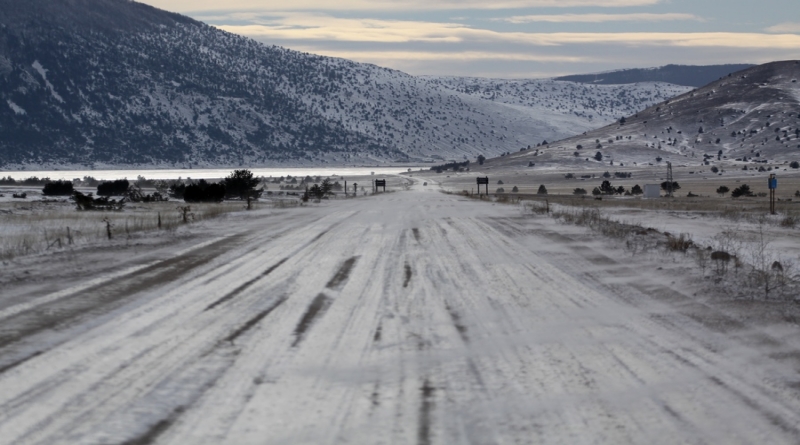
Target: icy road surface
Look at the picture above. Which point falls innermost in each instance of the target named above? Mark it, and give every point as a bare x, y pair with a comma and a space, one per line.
412, 317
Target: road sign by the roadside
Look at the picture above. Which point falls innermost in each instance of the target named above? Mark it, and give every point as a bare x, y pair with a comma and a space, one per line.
483, 181
380, 183
773, 184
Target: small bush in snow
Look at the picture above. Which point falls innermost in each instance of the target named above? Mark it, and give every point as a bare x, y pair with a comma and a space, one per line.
58, 188
742, 190
111, 188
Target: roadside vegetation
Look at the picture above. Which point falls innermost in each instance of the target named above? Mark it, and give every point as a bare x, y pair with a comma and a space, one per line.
30, 228
737, 263
66, 218
69, 214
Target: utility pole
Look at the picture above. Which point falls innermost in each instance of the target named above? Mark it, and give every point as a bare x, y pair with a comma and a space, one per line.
670, 179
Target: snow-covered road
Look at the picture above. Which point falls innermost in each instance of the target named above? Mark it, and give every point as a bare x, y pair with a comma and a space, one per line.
410, 317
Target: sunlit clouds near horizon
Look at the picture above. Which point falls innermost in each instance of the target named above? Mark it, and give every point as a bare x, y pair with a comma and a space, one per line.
514, 38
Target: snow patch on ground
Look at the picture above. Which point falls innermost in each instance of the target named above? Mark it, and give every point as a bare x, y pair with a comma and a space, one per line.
16, 108
43, 72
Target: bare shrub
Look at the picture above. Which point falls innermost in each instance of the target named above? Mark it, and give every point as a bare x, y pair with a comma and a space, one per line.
537, 207
639, 242
728, 240
727, 245
681, 243
789, 221
732, 213
702, 257
767, 271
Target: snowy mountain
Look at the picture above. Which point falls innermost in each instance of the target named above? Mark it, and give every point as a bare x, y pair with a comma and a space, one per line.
687, 75
743, 120
599, 104
108, 83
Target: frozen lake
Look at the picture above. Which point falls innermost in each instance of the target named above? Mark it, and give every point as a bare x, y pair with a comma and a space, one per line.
205, 173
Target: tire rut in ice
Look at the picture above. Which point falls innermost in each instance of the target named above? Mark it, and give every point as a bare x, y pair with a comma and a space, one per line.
456, 318
156, 430
317, 308
427, 405
773, 418
253, 321
245, 285
107, 296
408, 274
322, 302
20, 361
342, 274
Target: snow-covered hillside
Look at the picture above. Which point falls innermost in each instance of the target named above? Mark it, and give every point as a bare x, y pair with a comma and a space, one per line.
594, 105
740, 122
167, 91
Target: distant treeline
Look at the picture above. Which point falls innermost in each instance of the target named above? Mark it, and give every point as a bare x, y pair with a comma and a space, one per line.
455, 166
87, 181
240, 184
33, 180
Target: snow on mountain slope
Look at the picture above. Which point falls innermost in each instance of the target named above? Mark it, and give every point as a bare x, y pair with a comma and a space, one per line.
741, 121
129, 85
590, 105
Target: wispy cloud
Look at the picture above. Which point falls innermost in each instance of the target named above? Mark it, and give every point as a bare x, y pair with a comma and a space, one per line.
787, 28
479, 37
386, 5
461, 56
600, 18
301, 26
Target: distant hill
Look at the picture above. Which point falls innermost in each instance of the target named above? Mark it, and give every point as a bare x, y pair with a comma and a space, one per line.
687, 75
741, 120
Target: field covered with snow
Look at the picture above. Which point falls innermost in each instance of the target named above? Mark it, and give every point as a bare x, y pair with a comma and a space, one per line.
413, 316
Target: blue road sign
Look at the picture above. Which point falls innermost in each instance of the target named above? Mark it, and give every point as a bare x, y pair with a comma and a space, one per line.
773, 183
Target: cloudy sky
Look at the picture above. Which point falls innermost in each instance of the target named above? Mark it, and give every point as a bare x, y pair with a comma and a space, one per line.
514, 38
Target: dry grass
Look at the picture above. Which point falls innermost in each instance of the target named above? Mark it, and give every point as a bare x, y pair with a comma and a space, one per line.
789, 221
750, 210
680, 243
34, 227
763, 270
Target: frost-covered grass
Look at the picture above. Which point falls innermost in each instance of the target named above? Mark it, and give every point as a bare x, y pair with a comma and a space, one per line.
756, 258
740, 253
35, 226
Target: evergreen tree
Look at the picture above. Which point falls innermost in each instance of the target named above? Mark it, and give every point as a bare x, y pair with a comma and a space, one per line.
240, 183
